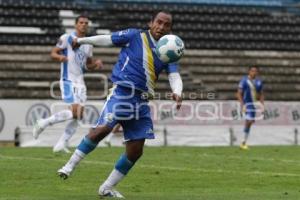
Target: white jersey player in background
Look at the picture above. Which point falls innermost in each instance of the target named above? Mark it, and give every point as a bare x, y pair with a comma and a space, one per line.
73, 64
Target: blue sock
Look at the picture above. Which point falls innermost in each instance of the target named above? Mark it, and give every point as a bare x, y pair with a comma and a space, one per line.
123, 165
246, 131
86, 145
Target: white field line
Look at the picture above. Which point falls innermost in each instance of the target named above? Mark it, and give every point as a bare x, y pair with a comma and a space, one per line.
251, 158
184, 169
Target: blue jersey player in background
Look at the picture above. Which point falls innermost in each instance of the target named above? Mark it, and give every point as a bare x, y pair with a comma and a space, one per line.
134, 76
250, 94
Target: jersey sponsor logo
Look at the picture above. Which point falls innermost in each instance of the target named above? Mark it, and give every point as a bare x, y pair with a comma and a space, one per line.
35, 112
145, 96
150, 131
123, 32
2, 120
80, 58
109, 117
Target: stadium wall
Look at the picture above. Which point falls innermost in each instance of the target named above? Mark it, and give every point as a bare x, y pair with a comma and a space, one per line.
205, 123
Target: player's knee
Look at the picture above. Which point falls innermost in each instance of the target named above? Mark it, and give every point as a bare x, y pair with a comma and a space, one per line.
75, 116
139, 154
133, 157
98, 133
77, 113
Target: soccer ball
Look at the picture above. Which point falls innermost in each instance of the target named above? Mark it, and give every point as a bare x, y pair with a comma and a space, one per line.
169, 48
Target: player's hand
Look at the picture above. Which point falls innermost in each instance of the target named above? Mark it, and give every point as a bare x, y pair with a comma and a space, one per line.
75, 44
243, 109
98, 64
63, 59
178, 100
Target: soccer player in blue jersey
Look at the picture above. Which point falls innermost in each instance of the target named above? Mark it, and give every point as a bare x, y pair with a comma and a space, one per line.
134, 76
250, 91
73, 65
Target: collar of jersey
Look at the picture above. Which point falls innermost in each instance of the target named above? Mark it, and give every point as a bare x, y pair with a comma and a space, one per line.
154, 42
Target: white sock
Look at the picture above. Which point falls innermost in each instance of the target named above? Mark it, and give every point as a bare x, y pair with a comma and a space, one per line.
246, 135
68, 133
74, 160
58, 117
113, 179
246, 138
70, 130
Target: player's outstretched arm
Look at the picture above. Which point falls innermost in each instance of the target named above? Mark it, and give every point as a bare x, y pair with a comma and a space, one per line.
239, 96
262, 99
176, 86
98, 40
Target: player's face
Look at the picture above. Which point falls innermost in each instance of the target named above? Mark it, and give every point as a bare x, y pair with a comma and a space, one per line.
161, 25
82, 25
253, 72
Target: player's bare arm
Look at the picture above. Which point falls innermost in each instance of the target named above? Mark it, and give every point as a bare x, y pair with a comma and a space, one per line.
57, 56
240, 97
94, 64
261, 99
178, 100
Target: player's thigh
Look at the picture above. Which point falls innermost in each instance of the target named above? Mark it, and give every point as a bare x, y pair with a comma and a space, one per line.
140, 126
79, 91
107, 115
137, 129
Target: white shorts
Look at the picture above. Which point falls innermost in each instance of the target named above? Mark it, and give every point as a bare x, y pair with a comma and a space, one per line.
73, 93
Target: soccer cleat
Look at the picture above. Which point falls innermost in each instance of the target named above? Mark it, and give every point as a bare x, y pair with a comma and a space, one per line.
244, 146
104, 192
37, 129
64, 173
61, 147
64, 150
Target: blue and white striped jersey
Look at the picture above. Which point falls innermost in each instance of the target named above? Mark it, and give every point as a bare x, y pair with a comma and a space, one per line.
73, 69
138, 65
250, 89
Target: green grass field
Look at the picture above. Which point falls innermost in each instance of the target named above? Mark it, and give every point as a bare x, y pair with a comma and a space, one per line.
171, 173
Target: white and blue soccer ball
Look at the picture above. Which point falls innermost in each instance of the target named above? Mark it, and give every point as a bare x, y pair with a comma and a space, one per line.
170, 48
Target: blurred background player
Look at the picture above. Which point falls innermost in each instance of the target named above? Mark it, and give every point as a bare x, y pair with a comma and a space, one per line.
116, 130
72, 85
134, 76
250, 91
